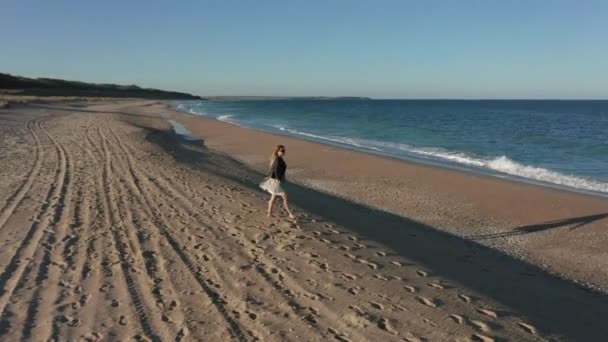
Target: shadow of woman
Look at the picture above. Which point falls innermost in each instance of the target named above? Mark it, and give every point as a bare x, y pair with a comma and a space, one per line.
574, 222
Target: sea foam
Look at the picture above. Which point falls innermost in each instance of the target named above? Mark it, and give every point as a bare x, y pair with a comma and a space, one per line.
226, 118
500, 165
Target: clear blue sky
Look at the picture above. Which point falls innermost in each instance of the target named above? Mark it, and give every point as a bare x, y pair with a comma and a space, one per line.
383, 49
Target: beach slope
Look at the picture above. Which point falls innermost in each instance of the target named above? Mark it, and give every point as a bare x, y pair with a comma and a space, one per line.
113, 227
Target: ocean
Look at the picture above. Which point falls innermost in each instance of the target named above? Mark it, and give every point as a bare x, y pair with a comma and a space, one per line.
556, 143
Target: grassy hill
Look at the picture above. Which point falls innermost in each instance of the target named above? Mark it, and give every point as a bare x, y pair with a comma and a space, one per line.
18, 85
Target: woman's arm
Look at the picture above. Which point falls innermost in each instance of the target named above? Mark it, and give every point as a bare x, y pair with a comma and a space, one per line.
273, 169
280, 169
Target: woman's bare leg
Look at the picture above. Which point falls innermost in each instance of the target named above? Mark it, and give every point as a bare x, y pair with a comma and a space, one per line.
286, 205
271, 204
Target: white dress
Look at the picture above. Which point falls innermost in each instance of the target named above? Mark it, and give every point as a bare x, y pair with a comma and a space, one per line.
273, 186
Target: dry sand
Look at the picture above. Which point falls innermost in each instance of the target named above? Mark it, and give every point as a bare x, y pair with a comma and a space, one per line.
563, 232
114, 228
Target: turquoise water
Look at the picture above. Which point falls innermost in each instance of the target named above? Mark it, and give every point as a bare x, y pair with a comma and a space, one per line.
549, 142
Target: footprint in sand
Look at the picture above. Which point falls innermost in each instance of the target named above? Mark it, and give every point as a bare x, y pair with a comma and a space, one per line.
324, 296
338, 335
409, 337
293, 269
377, 306
141, 338
105, 287
427, 301
356, 309
396, 263
348, 276
70, 321
422, 273
487, 312
429, 322
381, 254
482, 326
380, 277
465, 298
371, 265
251, 315
84, 299
410, 289
436, 286
311, 318
183, 332
397, 307
166, 318
92, 337
481, 338
385, 325
527, 327
457, 318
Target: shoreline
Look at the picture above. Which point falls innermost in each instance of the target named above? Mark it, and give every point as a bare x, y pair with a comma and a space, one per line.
529, 221
142, 234
497, 166
430, 162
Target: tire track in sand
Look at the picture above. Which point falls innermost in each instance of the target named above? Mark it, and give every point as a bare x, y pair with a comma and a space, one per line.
14, 271
14, 200
147, 252
46, 278
233, 325
80, 254
115, 224
285, 286
137, 186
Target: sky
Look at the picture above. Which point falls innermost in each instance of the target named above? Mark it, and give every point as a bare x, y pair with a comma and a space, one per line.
380, 49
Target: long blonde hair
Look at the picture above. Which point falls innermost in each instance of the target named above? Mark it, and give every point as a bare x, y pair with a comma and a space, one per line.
275, 154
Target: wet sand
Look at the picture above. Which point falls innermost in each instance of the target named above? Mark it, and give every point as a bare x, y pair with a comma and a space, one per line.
563, 232
112, 227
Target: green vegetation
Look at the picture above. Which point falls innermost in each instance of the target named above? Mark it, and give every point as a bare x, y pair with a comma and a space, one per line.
17, 85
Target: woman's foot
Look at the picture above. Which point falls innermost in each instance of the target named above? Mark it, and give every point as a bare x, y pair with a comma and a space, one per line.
269, 215
292, 216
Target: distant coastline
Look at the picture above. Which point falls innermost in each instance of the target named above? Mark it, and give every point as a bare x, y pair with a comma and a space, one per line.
25, 86
235, 98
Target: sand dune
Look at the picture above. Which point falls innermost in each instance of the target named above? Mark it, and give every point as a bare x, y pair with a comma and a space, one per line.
107, 234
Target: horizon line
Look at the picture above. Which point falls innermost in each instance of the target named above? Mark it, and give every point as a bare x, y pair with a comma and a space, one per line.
398, 98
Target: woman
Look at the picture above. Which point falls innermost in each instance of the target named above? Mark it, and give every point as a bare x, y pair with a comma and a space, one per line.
276, 178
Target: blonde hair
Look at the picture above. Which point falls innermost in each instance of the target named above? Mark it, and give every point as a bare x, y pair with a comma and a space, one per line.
275, 154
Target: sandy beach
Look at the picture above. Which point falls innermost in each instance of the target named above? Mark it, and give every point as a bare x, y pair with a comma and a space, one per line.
113, 227
564, 233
